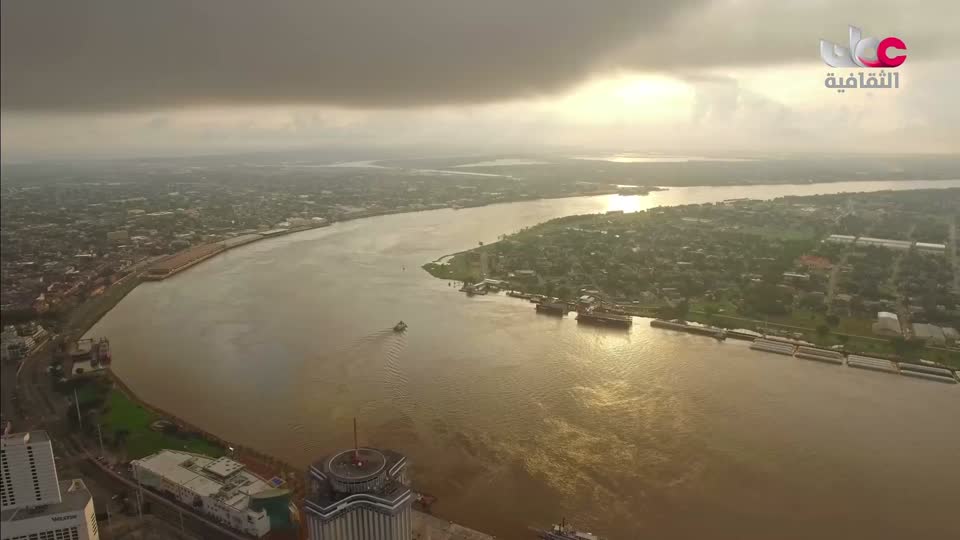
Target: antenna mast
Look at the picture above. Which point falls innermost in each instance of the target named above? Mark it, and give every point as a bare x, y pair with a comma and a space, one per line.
356, 445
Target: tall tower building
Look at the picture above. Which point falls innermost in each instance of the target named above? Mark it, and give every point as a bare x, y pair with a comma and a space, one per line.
28, 474
359, 494
35, 504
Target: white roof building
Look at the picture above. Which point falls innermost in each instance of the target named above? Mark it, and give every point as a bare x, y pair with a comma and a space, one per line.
884, 242
930, 333
220, 488
841, 238
934, 248
888, 324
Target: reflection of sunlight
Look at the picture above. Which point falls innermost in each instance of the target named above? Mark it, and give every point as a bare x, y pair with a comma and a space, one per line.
627, 203
626, 97
647, 89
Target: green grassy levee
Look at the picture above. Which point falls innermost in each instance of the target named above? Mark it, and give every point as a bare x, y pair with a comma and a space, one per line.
123, 413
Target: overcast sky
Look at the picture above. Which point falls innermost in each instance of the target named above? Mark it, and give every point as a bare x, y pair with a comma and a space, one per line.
145, 77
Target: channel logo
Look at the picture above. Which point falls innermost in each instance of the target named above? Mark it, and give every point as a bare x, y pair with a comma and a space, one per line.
868, 52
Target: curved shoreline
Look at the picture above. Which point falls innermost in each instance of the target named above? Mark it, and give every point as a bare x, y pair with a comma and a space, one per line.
78, 329
293, 475
319, 237
100, 312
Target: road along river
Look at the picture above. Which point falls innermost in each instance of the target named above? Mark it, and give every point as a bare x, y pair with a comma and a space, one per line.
514, 419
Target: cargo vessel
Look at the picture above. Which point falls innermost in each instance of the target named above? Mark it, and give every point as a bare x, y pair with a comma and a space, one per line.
602, 318
552, 308
682, 326
928, 370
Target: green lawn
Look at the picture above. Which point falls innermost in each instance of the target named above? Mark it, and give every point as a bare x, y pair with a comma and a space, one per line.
728, 307
122, 413
90, 394
457, 268
797, 317
857, 327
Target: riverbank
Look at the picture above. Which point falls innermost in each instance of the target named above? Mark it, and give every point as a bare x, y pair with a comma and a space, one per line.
137, 421
88, 313
689, 261
167, 270
454, 268
800, 348
851, 343
138, 414
101, 307
475, 389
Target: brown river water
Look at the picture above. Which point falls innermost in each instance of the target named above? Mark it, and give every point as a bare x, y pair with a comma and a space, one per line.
513, 419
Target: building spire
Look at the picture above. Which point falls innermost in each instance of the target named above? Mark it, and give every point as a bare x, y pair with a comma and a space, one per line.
356, 445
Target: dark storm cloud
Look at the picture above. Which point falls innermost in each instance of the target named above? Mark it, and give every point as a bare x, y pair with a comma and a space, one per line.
731, 33
75, 55
124, 54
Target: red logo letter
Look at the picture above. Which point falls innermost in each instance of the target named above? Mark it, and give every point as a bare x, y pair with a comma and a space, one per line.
887, 43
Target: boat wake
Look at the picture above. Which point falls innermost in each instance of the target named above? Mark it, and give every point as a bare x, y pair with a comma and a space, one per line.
374, 337
370, 365
394, 376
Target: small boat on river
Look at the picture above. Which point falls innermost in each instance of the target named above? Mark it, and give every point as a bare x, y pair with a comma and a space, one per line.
563, 531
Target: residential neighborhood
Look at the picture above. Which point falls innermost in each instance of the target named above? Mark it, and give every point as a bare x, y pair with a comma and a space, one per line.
835, 267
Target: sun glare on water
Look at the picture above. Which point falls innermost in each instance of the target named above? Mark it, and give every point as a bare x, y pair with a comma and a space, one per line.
627, 203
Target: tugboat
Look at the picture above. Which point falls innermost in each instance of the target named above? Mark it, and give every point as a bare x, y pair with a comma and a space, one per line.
564, 532
400, 327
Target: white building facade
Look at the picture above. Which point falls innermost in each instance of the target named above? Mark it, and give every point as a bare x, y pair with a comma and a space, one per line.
36, 505
360, 493
888, 324
71, 518
219, 488
28, 473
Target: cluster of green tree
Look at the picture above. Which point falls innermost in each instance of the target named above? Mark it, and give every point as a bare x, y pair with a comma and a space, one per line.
871, 270
88, 395
766, 298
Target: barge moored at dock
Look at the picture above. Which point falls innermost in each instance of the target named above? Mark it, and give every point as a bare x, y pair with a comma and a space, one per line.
745, 335
820, 355
924, 371
602, 318
769, 345
553, 308
682, 326
869, 362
